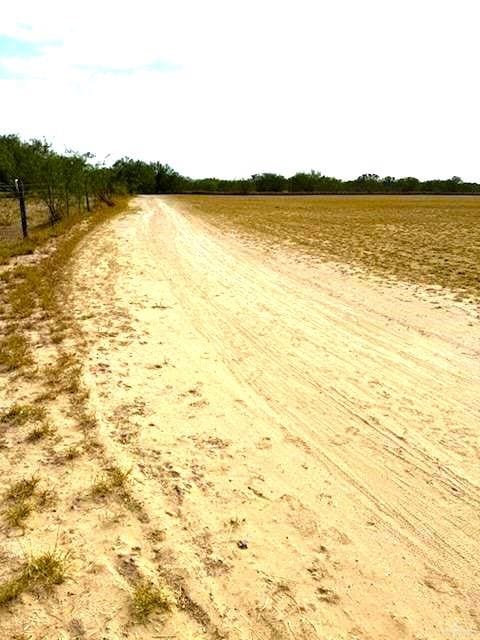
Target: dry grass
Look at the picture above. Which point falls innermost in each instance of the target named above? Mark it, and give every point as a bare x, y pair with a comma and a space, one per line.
11, 242
148, 598
10, 590
40, 230
33, 288
44, 430
18, 498
17, 513
70, 454
46, 570
114, 480
15, 248
113, 483
32, 305
10, 215
22, 490
38, 573
14, 352
19, 414
64, 375
421, 239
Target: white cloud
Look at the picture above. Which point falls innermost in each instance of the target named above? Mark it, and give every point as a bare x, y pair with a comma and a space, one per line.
342, 86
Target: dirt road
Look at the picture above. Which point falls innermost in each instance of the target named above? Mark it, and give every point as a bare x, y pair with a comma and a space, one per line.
306, 441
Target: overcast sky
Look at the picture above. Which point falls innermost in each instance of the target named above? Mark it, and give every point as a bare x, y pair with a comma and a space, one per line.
228, 88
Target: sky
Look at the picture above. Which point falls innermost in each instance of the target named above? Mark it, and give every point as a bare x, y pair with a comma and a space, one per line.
230, 88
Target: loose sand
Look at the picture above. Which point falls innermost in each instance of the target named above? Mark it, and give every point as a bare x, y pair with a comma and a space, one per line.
308, 441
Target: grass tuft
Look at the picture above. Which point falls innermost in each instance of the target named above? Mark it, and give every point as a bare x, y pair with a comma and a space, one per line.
38, 433
148, 598
18, 497
38, 573
64, 375
14, 352
22, 490
17, 513
46, 498
16, 248
19, 414
10, 590
112, 481
45, 571
71, 453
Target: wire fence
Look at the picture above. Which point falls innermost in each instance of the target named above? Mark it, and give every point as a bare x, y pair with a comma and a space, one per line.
25, 207
10, 219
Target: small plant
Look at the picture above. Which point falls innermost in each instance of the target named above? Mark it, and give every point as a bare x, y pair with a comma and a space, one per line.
148, 598
17, 513
10, 590
23, 299
64, 375
14, 352
91, 444
38, 573
22, 490
88, 422
111, 481
18, 498
45, 571
20, 414
157, 535
40, 432
327, 595
71, 453
76, 629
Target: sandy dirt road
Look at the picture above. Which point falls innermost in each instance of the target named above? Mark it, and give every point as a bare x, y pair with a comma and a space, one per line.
307, 443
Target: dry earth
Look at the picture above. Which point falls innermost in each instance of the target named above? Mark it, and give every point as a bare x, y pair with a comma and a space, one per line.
331, 427
304, 443
430, 240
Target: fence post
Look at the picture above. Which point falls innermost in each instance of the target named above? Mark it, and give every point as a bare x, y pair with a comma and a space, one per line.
23, 210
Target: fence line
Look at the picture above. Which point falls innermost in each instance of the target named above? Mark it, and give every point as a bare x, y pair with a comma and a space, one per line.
16, 190
44, 193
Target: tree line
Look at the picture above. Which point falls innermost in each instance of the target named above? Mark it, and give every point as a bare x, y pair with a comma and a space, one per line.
141, 177
72, 179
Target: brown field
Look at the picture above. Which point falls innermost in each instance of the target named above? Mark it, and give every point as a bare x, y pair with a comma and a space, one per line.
421, 239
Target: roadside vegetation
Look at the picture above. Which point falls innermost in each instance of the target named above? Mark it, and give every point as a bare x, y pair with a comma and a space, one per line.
43, 416
68, 487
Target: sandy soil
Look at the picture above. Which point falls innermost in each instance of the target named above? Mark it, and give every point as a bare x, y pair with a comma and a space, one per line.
306, 441
428, 240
